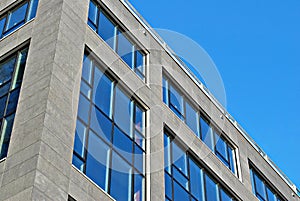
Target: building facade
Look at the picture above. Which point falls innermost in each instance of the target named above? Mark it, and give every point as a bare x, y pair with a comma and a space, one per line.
94, 106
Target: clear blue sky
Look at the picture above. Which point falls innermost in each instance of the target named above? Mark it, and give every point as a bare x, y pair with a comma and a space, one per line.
256, 47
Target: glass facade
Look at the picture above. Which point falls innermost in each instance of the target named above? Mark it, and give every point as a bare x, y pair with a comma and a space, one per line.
11, 75
185, 179
18, 16
109, 142
262, 189
200, 125
119, 40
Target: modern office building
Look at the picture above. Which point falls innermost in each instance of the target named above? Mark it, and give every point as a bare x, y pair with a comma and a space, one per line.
94, 107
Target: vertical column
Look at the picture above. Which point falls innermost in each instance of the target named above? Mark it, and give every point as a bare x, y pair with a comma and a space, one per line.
40, 153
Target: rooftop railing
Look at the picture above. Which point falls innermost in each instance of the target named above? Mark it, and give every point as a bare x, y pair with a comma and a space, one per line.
155, 35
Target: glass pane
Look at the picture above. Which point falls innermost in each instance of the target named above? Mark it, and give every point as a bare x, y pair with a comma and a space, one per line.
271, 195
211, 189
139, 61
17, 16
101, 124
85, 89
125, 49
196, 180
12, 102
123, 111
138, 188
87, 69
206, 133
224, 196
139, 159
139, 119
79, 142
83, 108
97, 161
106, 29
2, 105
93, 15
259, 186
167, 153
192, 118
2, 23
77, 162
179, 158
176, 100
168, 186
139, 139
6, 70
102, 91
179, 193
221, 146
123, 144
20, 67
120, 184
33, 9
5, 135
180, 178
4, 89
232, 159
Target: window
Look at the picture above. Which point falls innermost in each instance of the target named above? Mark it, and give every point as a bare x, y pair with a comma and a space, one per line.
100, 21
185, 179
18, 16
261, 189
199, 124
109, 144
11, 74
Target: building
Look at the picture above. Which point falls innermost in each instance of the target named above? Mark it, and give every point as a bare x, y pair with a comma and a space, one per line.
93, 107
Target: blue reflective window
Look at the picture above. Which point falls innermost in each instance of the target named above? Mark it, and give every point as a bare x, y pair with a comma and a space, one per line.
138, 194
120, 188
2, 23
101, 124
224, 196
180, 193
176, 102
120, 134
192, 118
179, 158
221, 147
17, 17
180, 178
32, 9
168, 186
123, 144
9, 95
123, 111
139, 64
87, 69
211, 189
5, 135
102, 92
106, 30
165, 90
97, 160
125, 49
79, 142
259, 186
206, 133
93, 15
83, 108
196, 180
6, 70
271, 195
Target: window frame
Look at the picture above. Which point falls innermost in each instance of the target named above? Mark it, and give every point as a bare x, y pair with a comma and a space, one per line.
7, 31
113, 149
254, 171
167, 84
204, 172
119, 28
17, 54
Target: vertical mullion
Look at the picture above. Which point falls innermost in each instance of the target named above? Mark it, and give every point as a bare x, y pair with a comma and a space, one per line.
28, 10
